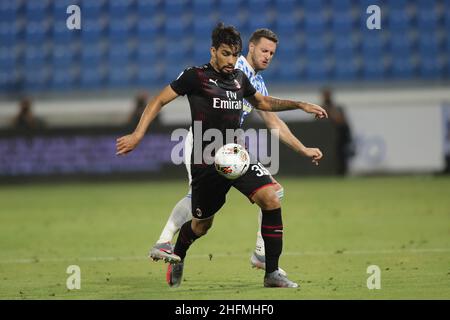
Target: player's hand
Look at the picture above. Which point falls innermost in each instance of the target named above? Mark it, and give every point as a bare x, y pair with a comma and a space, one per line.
319, 112
314, 153
126, 144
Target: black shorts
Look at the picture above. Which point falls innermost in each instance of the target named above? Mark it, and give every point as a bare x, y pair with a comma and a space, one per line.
209, 188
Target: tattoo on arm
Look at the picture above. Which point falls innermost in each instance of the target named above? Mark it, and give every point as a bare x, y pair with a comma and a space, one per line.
281, 105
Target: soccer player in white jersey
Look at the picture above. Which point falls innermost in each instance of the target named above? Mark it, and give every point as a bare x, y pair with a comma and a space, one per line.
261, 49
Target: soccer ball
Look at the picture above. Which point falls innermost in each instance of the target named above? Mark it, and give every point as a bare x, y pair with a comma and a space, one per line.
232, 161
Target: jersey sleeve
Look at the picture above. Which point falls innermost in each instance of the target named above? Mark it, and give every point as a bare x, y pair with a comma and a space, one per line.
249, 90
186, 82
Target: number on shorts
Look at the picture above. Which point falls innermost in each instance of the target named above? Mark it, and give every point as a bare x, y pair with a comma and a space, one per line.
261, 171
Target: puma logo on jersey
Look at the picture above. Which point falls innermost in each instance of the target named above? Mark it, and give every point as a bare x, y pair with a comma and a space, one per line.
238, 85
214, 81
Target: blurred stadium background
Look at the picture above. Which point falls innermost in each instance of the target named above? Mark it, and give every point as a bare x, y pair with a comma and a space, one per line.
393, 84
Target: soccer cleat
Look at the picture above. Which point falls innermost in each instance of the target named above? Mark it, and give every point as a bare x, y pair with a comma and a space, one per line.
277, 280
259, 262
174, 274
164, 251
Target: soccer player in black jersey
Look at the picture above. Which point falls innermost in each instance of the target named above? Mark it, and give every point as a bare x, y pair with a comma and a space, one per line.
215, 92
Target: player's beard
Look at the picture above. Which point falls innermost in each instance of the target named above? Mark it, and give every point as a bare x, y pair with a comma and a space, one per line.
225, 71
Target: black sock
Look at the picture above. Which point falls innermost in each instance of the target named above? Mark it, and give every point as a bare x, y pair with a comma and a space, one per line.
272, 233
185, 238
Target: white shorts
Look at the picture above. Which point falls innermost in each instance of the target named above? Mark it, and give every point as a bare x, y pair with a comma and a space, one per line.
188, 145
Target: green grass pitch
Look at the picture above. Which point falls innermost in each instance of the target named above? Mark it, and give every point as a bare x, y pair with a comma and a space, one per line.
334, 229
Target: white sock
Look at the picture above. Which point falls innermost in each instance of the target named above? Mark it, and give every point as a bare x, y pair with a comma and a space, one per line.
259, 249
181, 213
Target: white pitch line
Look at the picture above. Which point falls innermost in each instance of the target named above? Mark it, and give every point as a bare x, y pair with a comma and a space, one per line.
220, 255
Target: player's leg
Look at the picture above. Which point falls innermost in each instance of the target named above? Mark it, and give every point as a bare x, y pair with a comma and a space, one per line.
206, 201
272, 233
181, 213
258, 186
189, 232
258, 259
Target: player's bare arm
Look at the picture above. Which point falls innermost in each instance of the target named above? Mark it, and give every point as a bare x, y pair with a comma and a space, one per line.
127, 143
268, 103
272, 121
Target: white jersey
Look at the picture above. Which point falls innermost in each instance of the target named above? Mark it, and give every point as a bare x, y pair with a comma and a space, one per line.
257, 82
255, 79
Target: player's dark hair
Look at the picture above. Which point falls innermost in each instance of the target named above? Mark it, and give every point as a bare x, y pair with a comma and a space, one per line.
226, 35
263, 33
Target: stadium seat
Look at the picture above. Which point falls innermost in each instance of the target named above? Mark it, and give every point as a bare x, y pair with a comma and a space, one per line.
342, 23
286, 7
62, 56
447, 44
341, 6
176, 51
286, 26
118, 77
92, 78
201, 52
175, 29
398, 4
425, 5
427, 20
9, 34
258, 7
92, 31
399, 21
401, 67
428, 45
91, 56
315, 23
92, 9
345, 70
147, 31
202, 28
61, 80
147, 55
374, 68
400, 45
149, 76
430, 68
313, 5
36, 79
118, 9
285, 74
202, 8
60, 35
229, 7
259, 21
35, 57
147, 8
343, 47
175, 8
9, 11
372, 46
36, 11
315, 47
119, 32
7, 59
317, 70
36, 32
289, 51
118, 55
